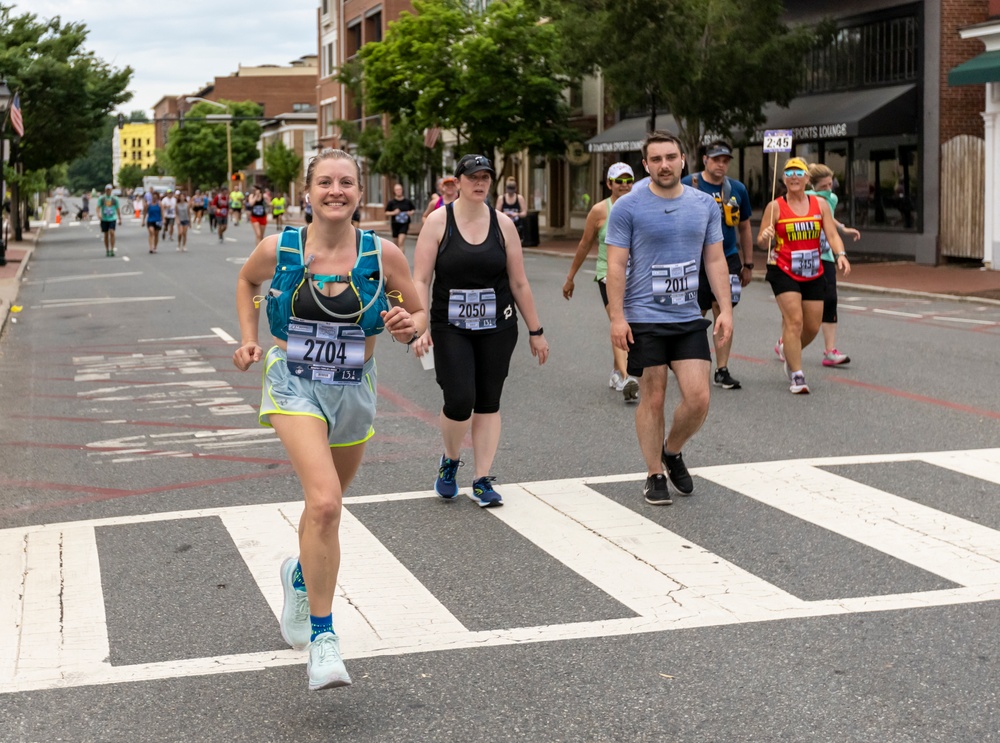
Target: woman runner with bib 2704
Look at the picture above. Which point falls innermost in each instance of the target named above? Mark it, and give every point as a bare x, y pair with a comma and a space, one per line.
474, 255
327, 301
794, 270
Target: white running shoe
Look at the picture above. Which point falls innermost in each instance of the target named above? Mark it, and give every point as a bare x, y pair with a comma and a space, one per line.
779, 348
616, 381
799, 386
326, 668
295, 625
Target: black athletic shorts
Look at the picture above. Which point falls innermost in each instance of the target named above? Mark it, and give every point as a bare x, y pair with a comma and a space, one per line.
656, 344
830, 297
705, 295
108, 225
811, 291
400, 228
602, 286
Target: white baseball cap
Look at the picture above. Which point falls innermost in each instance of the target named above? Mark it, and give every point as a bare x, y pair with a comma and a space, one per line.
619, 169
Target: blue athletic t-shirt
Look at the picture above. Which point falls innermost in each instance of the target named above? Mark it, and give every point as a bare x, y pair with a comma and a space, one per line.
739, 195
665, 239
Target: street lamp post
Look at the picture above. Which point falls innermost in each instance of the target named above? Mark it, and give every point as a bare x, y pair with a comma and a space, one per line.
228, 118
5, 97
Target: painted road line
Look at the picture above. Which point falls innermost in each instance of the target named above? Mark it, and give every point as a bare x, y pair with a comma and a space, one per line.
948, 546
391, 600
897, 313
224, 335
985, 466
82, 277
384, 610
176, 338
653, 571
84, 638
12, 557
967, 320
843, 306
49, 304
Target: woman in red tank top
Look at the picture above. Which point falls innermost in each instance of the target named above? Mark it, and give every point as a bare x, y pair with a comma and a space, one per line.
794, 271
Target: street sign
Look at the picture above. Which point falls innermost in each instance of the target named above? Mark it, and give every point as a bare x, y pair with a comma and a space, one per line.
778, 140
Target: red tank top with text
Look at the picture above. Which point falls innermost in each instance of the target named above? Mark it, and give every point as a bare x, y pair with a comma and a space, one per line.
797, 246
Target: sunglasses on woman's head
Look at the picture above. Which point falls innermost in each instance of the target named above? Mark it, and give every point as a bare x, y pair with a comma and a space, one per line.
624, 180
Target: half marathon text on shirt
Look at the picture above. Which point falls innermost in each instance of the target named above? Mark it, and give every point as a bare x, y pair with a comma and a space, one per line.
822, 131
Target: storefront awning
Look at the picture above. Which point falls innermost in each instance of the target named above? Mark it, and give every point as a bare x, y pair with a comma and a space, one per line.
982, 69
627, 135
862, 113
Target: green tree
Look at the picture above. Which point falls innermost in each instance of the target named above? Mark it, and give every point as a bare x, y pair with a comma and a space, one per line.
66, 92
492, 77
281, 165
197, 153
66, 95
713, 64
93, 170
130, 176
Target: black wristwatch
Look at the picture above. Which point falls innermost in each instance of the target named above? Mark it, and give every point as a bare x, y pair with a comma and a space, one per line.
748, 265
536, 332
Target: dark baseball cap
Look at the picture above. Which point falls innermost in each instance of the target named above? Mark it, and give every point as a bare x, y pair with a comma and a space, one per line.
470, 164
719, 149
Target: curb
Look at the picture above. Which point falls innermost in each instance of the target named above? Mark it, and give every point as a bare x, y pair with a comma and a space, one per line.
873, 288
9, 288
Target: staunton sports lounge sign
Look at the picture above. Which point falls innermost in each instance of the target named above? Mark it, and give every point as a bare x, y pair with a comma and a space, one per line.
818, 131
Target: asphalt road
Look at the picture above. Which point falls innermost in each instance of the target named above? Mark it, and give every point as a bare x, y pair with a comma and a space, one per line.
836, 575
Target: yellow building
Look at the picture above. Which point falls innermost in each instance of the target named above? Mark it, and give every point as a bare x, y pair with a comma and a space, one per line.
137, 145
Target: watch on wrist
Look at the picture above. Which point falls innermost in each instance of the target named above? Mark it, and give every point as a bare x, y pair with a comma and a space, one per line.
537, 332
748, 265
841, 255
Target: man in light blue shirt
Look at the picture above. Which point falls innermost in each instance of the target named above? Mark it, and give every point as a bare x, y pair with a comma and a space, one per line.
658, 236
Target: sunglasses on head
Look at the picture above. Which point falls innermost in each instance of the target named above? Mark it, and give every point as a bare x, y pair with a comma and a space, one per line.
624, 180
795, 173
474, 162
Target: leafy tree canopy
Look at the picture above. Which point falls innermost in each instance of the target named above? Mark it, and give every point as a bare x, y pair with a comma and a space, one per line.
197, 152
66, 92
713, 64
281, 165
493, 77
93, 170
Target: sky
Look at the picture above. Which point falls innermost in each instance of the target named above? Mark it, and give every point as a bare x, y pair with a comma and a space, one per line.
176, 47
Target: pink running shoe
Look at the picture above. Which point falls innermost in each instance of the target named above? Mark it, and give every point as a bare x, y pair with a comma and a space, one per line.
835, 358
779, 348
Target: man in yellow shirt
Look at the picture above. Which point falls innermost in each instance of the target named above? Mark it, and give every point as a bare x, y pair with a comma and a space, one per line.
278, 210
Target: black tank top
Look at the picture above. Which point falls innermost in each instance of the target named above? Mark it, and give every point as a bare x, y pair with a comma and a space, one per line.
511, 210
464, 266
306, 307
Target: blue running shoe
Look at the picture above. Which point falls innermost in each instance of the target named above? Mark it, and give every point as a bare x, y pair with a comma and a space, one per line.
445, 486
483, 493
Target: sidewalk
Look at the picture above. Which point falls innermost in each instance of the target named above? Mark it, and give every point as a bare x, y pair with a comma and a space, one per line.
895, 277
892, 277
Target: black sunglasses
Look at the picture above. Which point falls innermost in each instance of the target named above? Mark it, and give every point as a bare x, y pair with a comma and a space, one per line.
476, 161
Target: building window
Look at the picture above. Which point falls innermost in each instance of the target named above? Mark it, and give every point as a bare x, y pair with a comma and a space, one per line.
373, 27
870, 54
579, 184
884, 189
373, 187
352, 40
326, 7
328, 62
302, 107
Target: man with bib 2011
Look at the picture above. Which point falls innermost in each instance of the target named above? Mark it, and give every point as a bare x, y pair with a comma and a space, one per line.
658, 236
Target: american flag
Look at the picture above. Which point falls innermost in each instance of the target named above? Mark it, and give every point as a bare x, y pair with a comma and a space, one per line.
431, 136
15, 115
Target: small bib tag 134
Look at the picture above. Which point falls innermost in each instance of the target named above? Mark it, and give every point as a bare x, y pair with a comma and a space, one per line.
472, 309
327, 352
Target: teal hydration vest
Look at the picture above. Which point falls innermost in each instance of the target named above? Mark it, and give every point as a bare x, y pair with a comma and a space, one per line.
291, 274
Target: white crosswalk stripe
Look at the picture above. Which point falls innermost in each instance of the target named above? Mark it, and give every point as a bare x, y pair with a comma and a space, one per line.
53, 630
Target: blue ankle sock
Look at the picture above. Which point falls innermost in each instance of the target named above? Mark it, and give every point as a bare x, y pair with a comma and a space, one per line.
320, 625
298, 582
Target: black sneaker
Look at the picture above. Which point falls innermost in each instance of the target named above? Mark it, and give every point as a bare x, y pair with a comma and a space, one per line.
724, 380
677, 473
656, 492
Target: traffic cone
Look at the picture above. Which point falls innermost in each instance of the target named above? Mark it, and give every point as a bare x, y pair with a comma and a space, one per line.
58, 216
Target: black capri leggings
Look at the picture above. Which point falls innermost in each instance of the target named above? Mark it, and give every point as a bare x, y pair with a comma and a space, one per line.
830, 295
471, 368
